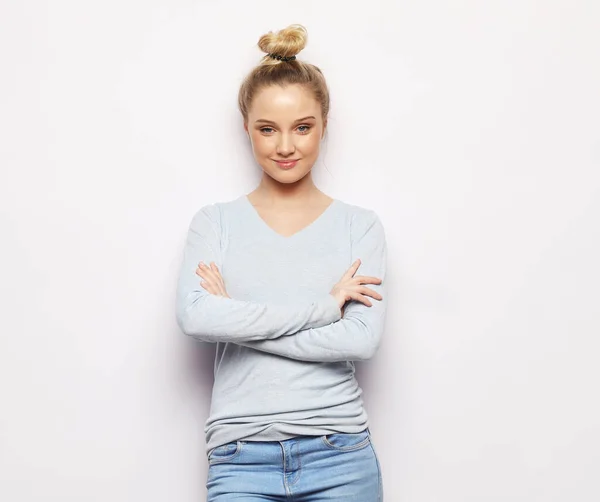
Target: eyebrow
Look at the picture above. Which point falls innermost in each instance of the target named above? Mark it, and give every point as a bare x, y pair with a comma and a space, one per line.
265, 121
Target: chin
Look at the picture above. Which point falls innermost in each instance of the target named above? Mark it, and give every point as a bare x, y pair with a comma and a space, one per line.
287, 178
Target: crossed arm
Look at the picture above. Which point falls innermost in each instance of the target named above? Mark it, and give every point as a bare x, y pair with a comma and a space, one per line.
314, 332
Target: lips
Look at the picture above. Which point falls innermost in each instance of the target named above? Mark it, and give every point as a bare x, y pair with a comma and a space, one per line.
286, 164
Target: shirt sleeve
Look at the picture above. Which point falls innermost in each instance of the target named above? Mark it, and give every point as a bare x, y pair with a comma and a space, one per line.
214, 318
357, 335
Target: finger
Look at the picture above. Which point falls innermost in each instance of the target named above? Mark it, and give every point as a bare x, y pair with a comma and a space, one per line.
361, 299
209, 287
208, 273
201, 269
352, 270
371, 293
365, 279
217, 276
209, 283
218, 272
205, 275
220, 284
215, 290
221, 281
220, 287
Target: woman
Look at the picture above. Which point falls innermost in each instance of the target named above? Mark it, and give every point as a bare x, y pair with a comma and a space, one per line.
288, 283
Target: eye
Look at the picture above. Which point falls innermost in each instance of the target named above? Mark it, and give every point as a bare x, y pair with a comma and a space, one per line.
266, 130
305, 130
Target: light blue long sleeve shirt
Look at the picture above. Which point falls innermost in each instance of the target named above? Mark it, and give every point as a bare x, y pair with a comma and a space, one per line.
284, 356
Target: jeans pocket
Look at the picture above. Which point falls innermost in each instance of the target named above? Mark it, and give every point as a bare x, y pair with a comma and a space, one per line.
343, 441
225, 452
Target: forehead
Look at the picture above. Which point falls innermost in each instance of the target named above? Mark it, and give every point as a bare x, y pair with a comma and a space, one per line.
283, 103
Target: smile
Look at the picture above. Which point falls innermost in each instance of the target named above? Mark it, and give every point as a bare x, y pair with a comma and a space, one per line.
286, 164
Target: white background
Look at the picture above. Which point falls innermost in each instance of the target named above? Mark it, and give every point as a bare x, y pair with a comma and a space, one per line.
471, 127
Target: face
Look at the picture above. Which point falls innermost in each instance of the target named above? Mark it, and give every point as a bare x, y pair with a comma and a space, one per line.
285, 127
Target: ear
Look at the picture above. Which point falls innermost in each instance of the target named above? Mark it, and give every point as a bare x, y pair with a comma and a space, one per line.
324, 128
246, 127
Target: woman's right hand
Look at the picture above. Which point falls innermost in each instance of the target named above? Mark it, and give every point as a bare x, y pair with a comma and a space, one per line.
351, 288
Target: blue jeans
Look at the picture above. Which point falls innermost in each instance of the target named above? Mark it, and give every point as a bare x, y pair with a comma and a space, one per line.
342, 467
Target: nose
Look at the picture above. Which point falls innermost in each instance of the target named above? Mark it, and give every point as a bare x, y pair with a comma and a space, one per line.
285, 145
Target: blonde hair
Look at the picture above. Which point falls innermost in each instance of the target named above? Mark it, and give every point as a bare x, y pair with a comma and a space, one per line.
285, 43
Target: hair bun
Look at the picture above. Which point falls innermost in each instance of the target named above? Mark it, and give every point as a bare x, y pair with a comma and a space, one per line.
287, 42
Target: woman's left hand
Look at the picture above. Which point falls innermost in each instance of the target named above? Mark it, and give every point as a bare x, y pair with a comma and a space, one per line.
212, 280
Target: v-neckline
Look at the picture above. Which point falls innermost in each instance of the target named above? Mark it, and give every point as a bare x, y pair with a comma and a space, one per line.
303, 230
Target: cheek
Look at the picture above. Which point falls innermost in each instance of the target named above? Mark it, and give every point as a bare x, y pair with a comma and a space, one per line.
311, 144
261, 145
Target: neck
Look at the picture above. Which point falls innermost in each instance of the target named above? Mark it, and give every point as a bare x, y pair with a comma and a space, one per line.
287, 194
